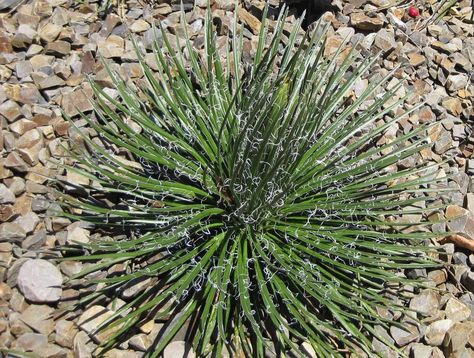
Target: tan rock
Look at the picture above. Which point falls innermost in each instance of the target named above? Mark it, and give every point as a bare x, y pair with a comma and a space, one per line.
91, 320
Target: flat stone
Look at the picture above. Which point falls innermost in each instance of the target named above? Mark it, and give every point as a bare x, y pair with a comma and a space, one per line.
58, 48
139, 26
419, 350
31, 342
78, 235
6, 195
385, 40
39, 318
426, 303
363, 22
50, 32
460, 220
92, 318
65, 333
140, 342
28, 222
11, 232
10, 110
457, 337
76, 102
112, 47
416, 59
179, 349
404, 336
452, 105
456, 310
436, 331
40, 281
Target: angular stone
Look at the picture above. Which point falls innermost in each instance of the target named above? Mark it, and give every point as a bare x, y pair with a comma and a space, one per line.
112, 47
39, 318
140, 342
49, 32
363, 22
179, 349
457, 338
31, 342
456, 310
452, 105
40, 281
58, 48
10, 110
78, 235
11, 232
28, 222
65, 333
426, 303
404, 336
436, 331
416, 59
460, 220
385, 40
6, 195
92, 318
139, 26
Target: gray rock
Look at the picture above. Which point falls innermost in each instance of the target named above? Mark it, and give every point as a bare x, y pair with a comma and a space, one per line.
385, 40
419, 350
426, 303
457, 82
31, 342
40, 281
9, 4
11, 232
404, 336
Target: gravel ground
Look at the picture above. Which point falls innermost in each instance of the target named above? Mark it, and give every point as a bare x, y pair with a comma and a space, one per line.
48, 49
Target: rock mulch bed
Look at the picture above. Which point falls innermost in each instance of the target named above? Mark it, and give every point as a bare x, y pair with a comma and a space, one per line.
48, 48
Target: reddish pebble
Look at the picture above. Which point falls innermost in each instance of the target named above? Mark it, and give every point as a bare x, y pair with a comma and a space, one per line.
413, 11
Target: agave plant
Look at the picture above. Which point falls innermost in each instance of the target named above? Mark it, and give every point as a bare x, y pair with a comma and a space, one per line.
253, 197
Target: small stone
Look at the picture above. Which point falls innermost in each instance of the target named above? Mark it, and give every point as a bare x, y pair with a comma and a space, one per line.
140, 342
28, 222
58, 48
11, 232
92, 318
404, 336
457, 82
308, 350
179, 349
10, 110
78, 235
112, 47
139, 26
416, 59
38, 317
452, 105
31, 342
457, 311
419, 350
363, 22
5, 292
385, 40
460, 220
65, 333
457, 338
6, 195
436, 331
49, 32
426, 303
40, 281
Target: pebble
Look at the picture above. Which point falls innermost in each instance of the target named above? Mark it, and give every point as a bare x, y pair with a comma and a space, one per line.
40, 281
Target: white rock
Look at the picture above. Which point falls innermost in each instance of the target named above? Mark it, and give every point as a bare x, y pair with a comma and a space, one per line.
40, 281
